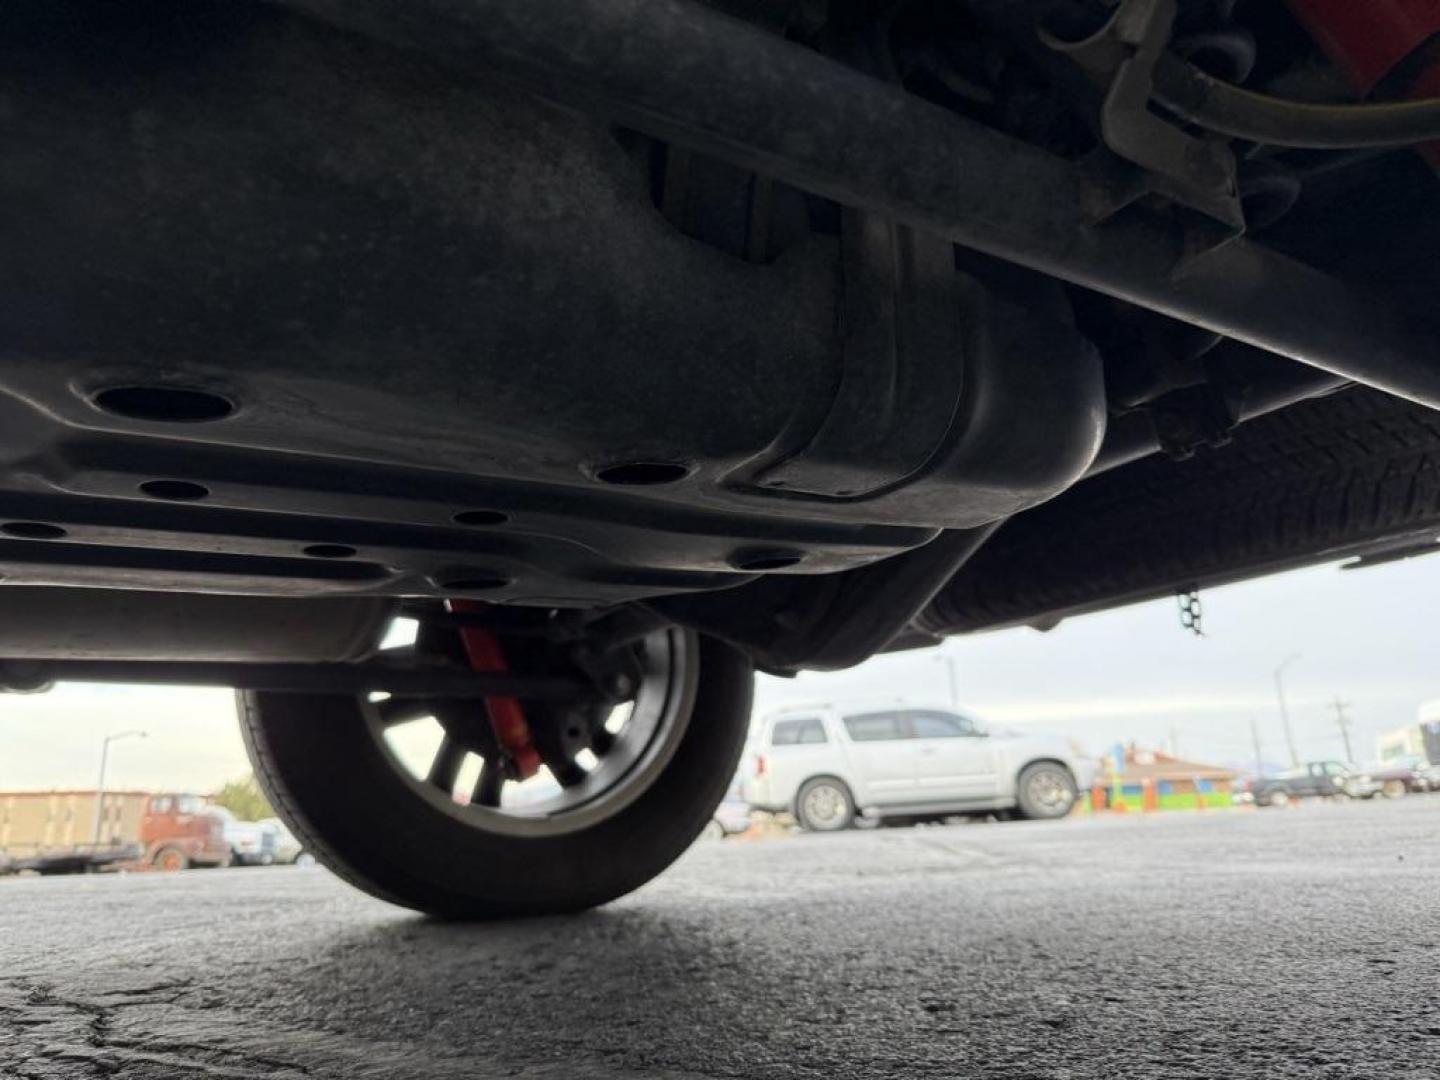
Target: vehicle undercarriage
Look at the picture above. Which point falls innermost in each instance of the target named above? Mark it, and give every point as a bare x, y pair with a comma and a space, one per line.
626, 344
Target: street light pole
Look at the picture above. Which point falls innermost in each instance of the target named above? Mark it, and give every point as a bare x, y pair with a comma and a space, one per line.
100, 786
949, 662
1284, 712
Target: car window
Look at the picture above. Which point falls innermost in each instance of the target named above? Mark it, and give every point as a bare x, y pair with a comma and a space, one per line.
813, 732
875, 727
1334, 768
799, 731
160, 805
933, 725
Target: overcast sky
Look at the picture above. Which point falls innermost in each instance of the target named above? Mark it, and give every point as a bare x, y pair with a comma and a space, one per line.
1131, 674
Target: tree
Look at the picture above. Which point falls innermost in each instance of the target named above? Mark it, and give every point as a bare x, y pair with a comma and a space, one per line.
244, 799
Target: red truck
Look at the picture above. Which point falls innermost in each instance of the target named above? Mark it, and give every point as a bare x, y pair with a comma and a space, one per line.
178, 831
54, 832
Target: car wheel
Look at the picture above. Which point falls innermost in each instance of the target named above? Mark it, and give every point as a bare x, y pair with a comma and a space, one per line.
1277, 798
713, 831
171, 859
1394, 789
633, 785
1045, 790
824, 805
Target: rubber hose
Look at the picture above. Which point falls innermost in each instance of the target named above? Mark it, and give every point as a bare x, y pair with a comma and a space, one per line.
1220, 107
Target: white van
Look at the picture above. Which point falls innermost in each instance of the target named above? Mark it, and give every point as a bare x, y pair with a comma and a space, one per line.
826, 764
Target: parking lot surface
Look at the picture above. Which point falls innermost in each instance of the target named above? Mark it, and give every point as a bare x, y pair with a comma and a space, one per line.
1302, 942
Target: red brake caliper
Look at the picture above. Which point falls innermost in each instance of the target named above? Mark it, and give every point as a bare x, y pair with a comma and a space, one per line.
507, 716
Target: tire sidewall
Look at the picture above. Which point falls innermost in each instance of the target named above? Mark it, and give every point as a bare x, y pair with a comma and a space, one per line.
341, 794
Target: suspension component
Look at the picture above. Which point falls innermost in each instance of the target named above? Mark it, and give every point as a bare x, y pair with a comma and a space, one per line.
507, 715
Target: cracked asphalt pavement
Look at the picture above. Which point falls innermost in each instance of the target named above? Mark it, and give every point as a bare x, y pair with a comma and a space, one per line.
1269, 944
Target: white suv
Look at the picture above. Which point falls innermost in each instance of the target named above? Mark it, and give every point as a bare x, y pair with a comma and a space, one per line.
825, 764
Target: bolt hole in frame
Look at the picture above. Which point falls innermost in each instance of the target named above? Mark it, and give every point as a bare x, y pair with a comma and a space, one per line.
329, 551
32, 530
175, 490
480, 517
164, 404
642, 473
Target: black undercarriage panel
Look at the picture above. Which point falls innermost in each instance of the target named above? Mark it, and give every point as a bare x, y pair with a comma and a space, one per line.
286, 313
819, 327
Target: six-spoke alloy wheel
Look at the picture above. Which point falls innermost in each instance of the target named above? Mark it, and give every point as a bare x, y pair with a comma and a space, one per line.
449, 807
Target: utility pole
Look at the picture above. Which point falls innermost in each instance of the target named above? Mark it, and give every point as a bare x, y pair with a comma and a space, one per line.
100, 787
1284, 712
1255, 738
1343, 723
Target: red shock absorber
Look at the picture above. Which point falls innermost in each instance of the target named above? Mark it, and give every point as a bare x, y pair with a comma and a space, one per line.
507, 715
1391, 42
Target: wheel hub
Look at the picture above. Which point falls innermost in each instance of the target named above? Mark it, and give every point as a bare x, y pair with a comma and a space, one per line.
824, 805
591, 759
1048, 790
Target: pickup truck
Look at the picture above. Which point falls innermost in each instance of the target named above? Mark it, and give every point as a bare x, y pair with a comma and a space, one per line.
1402, 776
1314, 779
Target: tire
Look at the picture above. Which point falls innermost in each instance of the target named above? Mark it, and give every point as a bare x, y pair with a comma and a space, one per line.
170, 859
340, 792
1045, 791
1338, 475
1278, 798
1394, 789
824, 804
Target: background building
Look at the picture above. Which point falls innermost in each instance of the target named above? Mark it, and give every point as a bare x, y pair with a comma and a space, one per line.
1421, 739
1179, 784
